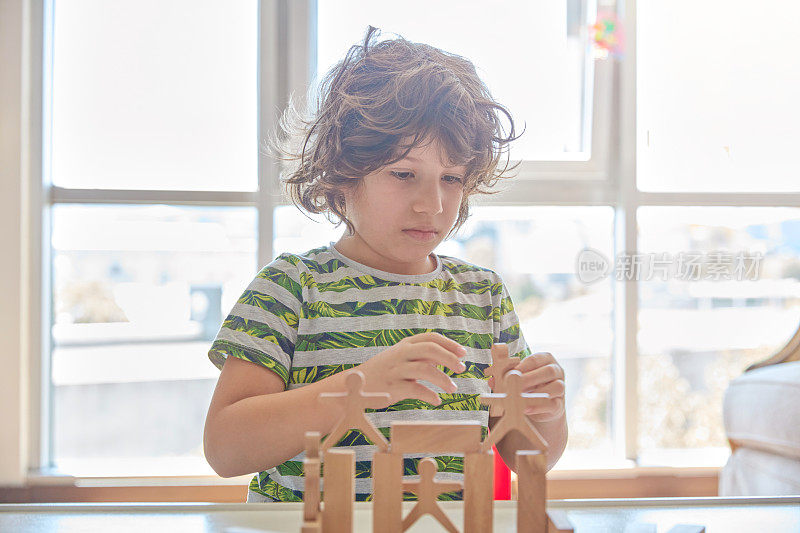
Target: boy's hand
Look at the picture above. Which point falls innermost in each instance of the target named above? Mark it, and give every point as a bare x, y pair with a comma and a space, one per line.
397, 369
540, 373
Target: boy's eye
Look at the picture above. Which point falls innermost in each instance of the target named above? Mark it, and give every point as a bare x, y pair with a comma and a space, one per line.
405, 175
400, 175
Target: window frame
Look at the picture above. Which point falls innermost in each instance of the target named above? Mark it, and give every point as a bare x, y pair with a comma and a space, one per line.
286, 57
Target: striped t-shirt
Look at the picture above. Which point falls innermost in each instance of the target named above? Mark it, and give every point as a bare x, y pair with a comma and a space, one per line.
307, 316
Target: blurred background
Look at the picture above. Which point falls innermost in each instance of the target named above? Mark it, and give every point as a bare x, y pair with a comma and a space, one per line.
666, 128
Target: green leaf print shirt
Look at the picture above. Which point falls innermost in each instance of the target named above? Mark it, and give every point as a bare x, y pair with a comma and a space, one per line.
307, 316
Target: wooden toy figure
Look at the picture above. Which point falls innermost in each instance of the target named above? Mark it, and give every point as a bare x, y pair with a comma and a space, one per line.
427, 490
355, 401
513, 403
501, 364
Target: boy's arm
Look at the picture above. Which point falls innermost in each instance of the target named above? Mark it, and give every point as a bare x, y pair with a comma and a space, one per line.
554, 433
254, 424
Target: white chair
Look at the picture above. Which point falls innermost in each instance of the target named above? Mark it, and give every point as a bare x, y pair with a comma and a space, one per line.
761, 414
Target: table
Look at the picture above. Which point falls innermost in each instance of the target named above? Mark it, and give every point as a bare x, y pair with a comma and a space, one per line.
772, 514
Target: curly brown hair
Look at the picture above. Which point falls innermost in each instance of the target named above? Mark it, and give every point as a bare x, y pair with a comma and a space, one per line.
381, 94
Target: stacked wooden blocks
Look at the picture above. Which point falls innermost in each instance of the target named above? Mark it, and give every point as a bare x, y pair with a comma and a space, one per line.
335, 513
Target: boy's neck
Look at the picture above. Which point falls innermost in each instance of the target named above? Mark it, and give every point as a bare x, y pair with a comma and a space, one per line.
353, 247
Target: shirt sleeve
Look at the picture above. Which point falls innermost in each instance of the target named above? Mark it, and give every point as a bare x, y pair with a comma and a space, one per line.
262, 326
506, 324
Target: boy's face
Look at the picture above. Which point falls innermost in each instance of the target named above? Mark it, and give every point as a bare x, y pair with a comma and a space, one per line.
417, 192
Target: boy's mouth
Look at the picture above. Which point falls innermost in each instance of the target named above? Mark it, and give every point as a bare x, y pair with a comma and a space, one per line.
425, 229
420, 235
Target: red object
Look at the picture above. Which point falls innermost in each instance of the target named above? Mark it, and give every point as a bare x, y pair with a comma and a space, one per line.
502, 478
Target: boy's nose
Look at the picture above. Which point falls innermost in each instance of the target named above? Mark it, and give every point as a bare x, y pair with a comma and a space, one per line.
428, 199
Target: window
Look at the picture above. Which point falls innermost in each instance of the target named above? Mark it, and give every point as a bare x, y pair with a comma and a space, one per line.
547, 94
153, 162
722, 94
152, 96
700, 327
158, 210
138, 297
715, 130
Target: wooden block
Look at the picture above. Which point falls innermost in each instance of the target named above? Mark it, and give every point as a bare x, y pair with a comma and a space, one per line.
531, 469
435, 437
311, 507
478, 492
557, 522
687, 528
312, 444
311, 467
339, 491
312, 526
387, 492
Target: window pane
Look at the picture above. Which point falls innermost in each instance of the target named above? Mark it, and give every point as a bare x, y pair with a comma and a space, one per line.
534, 249
138, 298
534, 57
702, 326
155, 95
295, 233
717, 87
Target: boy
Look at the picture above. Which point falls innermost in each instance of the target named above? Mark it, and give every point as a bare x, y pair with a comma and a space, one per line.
402, 136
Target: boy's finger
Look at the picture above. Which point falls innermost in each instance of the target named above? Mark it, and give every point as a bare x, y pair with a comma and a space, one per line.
432, 336
422, 370
535, 361
436, 354
541, 376
554, 409
421, 392
555, 389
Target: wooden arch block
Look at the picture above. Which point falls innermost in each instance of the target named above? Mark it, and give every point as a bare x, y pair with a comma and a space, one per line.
435, 437
339, 493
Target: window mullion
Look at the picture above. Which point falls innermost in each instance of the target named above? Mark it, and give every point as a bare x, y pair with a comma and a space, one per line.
40, 453
626, 307
125, 196
268, 90
735, 199
287, 41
